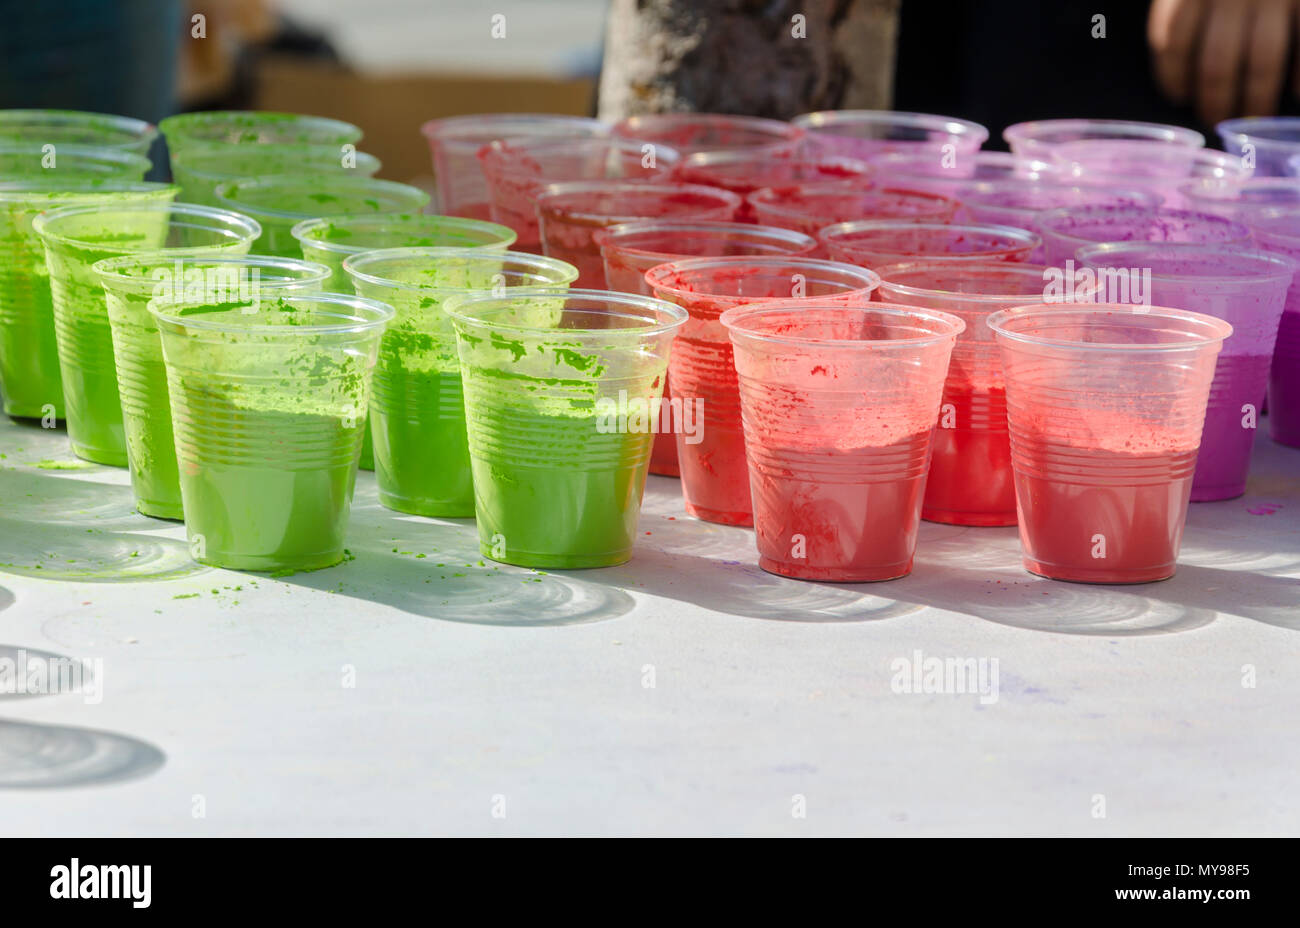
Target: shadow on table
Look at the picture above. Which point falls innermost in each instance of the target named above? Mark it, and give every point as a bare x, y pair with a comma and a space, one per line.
6, 599
1264, 597
432, 568
58, 756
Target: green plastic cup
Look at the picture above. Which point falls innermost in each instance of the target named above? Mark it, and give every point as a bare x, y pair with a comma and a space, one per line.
186, 131
280, 201
200, 169
561, 404
130, 282
74, 127
417, 410
29, 357
20, 160
75, 238
267, 402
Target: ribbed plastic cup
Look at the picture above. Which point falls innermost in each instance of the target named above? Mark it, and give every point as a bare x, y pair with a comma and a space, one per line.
872, 243
560, 392
932, 171
187, 131
1278, 231
1158, 167
332, 239
1269, 143
75, 238
864, 133
200, 169
130, 282
811, 207
569, 215
1036, 138
517, 172
1019, 203
1247, 289
21, 160
970, 480
694, 132
29, 356
630, 249
1105, 405
417, 409
267, 403
1070, 228
839, 403
73, 127
455, 142
1242, 200
702, 373
281, 201
745, 170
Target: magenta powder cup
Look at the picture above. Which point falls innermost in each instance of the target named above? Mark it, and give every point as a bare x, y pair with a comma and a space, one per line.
1278, 231
745, 170
1070, 228
1244, 287
454, 144
1241, 200
932, 171
809, 207
1266, 143
1157, 167
1038, 137
864, 133
694, 132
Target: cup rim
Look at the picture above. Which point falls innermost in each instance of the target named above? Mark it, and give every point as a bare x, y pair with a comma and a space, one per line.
109, 273
819, 120
313, 181
495, 155
762, 198
17, 189
999, 321
139, 130
605, 237
1267, 213
711, 157
1021, 238
980, 192
379, 315
1243, 126
436, 129
780, 132
186, 158
733, 317
107, 154
353, 262
1284, 266
882, 160
246, 227
656, 275
1200, 190
552, 192
966, 268
179, 127
302, 229
1047, 217
1030, 131
676, 315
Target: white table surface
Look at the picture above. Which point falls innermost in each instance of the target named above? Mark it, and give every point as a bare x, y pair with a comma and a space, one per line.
504, 701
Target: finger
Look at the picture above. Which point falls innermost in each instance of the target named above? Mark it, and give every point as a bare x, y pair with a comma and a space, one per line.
1270, 37
1219, 63
1172, 29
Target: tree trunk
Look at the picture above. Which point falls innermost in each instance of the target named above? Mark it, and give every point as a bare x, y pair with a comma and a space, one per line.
777, 58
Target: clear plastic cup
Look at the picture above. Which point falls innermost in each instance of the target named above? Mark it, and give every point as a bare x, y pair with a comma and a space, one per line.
873, 243
454, 144
1241, 200
200, 170
569, 215
1246, 288
1278, 231
130, 282
1159, 167
812, 207
1070, 228
839, 404
73, 127
331, 239
267, 400
20, 160
702, 373
417, 408
930, 171
970, 480
187, 131
745, 170
1036, 138
1105, 403
1019, 203
559, 395
864, 133
75, 238
695, 132
280, 201
630, 249
517, 171
1266, 143
29, 356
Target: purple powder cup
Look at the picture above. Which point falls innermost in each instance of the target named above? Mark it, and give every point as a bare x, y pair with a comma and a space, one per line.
1278, 231
1070, 228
